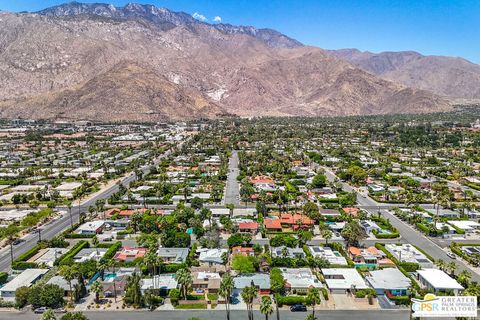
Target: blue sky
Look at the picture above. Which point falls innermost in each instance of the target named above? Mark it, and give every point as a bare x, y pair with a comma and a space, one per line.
437, 27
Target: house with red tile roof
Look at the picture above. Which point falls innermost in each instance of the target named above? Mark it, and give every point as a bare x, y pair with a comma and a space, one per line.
272, 224
244, 251
251, 227
127, 254
296, 221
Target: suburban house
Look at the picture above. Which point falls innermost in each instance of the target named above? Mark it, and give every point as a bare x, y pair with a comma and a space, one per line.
93, 227
408, 253
343, 280
173, 255
211, 256
438, 281
245, 251
260, 280
300, 280
369, 257
127, 254
62, 283
286, 252
87, 254
25, 279
389, 281
296, 221
163, 282
272, 224
206, 281
248, 227
333, 257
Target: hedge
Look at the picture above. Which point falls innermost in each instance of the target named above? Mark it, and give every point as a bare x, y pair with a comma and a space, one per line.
392, 235
426, 254
401, 300
67, 258
20, 262
111, 251
290, 300
3, 277
173, 267
409, 266
79, 236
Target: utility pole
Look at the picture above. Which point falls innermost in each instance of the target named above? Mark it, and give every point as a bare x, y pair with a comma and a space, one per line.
11, 252
39, 234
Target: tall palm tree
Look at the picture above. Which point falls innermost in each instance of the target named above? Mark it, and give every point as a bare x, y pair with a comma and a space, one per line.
96, 288
313, 296
248, 295
69, 273
225, 291
102, 265
326, 234
266, 307
184, 278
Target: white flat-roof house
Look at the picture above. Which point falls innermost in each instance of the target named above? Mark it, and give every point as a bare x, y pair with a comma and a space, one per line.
211, 256
389, 281
334, 257
25, 279
92, 227
438, 281
342, 280
408, 253
300, 279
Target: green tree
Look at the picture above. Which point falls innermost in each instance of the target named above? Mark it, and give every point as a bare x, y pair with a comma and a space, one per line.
184, 278
96, 288
243, 264
133, 294
313, 297
266, 307
50, 296
319, 181
353, 233
69, 273
311, 210
225, 291
248, 295
21, 296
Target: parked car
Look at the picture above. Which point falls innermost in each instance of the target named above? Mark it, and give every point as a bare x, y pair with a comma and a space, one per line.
451, 255
40, 310
60, 310
298, 307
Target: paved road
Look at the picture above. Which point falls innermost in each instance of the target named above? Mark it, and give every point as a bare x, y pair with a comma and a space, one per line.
407, 232
56, 227
232, 189
235, 315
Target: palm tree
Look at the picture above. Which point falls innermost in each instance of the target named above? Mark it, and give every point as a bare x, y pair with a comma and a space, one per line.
96, 288
266, 307
313, 296
184, 278
464, 278
102, 265
451, 267
248, 295
69, 273
225, 291
326, 234
440, 264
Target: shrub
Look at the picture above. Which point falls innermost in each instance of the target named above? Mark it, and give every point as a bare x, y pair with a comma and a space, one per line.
112, 250
290, 300
67, 258
20, 262
325, 294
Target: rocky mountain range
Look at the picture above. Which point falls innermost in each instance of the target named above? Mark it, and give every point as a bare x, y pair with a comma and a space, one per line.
143, 63
448, 76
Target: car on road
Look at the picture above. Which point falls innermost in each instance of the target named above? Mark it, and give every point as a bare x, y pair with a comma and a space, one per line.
17, 241
298, 308
451, 255
60, 310
40, 310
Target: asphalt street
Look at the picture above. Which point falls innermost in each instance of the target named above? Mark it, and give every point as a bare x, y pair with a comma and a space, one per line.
232, 189
407, 232
235, 315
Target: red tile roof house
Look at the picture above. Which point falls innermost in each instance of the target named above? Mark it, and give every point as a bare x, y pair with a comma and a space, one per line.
244, 251
296, 221
251, 227
128, 254
272, 224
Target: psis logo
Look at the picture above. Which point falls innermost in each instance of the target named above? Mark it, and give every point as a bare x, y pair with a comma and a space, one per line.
445, 306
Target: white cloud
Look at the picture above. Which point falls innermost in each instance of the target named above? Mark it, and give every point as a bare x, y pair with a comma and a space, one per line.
217, 19
199, 16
